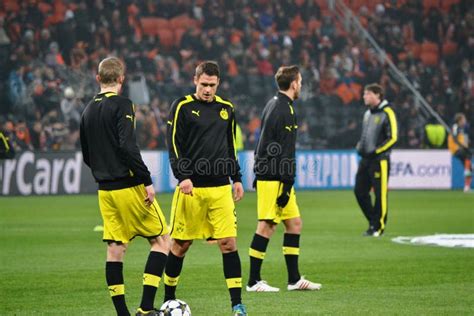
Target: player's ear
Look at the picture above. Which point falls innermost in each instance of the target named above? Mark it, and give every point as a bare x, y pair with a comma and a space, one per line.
97, 78
196, 80
378, 97
294, 85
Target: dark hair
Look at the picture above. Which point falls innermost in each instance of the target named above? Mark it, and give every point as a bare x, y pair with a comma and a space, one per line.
376, 89
285, 76
210, 68
110, 70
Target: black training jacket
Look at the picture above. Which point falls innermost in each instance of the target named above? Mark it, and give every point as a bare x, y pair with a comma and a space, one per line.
275, 151
109, 144
201, 141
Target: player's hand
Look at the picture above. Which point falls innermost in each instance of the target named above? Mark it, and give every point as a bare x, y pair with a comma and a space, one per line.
284, 197
150, 194
186, 187
238, 191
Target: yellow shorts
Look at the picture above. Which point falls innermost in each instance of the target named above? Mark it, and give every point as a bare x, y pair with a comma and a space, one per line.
209, 213
125, 215
267, 194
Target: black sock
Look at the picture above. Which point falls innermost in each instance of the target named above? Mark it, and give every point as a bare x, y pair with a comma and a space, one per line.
291, 250
233, 276
114, 277
257, 251
172, 272
151, 278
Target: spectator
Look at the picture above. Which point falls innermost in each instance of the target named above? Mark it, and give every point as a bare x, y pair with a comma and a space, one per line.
42, 53
70, 106
304, 139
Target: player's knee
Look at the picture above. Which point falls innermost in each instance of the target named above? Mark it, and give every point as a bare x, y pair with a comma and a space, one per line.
116, 252
299, 225
180, 247
294, 226
227, 245
160, 244
272, 228
266, 228
166, 242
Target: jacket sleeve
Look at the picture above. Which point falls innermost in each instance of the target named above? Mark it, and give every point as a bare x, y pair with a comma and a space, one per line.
285, 130
6, 148
176, 134
130, 153
84, 144
235, 175
391, 132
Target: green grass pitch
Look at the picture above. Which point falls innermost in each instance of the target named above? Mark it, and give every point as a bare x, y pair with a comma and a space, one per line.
53, 263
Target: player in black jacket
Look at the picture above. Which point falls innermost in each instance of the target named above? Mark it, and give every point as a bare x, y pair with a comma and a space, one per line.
275, 168
6, 148
126, 195
379, 134
201, 143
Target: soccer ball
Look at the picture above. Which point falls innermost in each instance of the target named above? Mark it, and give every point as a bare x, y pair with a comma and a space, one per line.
175, 308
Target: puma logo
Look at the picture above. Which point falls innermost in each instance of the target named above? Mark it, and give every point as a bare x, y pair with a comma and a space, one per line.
112, 289
129, 117
288, 128
195, 112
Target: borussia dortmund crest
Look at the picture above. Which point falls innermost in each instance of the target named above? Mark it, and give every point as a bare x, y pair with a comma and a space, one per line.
224, 114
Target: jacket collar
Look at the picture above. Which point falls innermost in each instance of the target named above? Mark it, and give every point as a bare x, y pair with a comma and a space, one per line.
382, 104
380, 107
284, 97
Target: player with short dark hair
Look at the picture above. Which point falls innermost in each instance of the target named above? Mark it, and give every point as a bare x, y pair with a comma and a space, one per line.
126, 194
379, 135
285, 76
201, 143
376, 89
275, 168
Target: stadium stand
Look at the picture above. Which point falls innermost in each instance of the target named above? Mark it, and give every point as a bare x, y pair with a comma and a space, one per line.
49, 51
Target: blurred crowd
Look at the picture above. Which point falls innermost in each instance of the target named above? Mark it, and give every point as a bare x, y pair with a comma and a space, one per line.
49, 52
